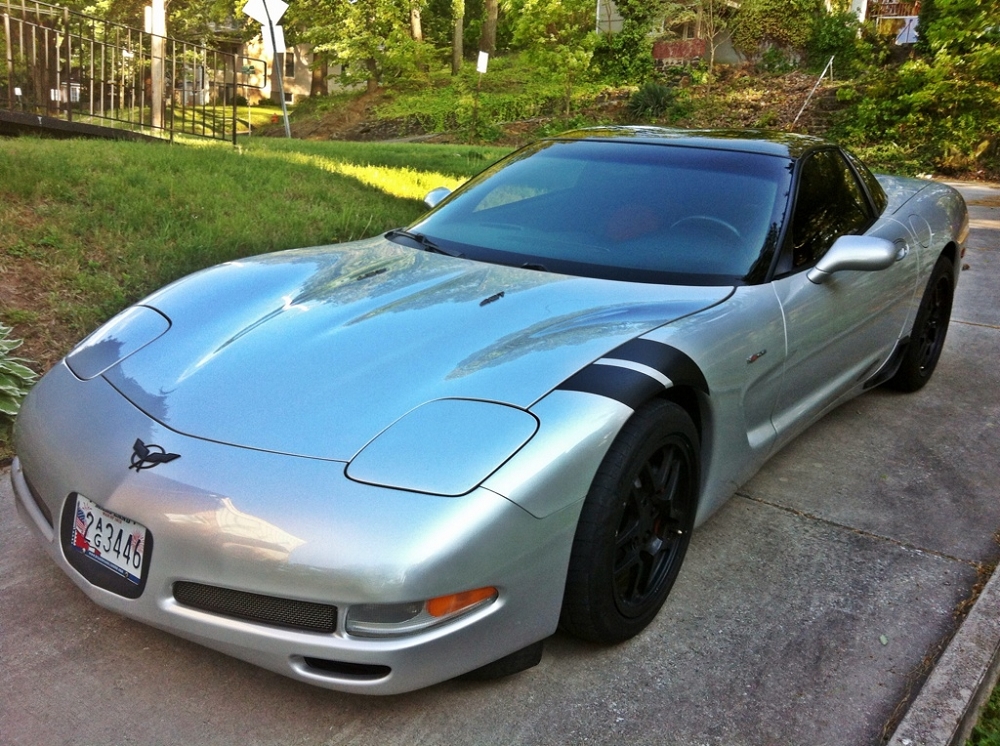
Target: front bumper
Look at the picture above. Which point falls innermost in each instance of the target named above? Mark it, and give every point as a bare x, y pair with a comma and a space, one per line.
295, 529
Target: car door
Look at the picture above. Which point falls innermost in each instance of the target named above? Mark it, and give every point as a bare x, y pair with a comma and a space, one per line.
840, 332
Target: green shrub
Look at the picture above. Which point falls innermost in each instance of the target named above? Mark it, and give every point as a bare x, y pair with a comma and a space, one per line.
834, 35
937, 117
652, 100
623, 58
15, 380
776, 60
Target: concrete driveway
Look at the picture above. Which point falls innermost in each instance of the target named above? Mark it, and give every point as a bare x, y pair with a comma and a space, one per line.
811, 609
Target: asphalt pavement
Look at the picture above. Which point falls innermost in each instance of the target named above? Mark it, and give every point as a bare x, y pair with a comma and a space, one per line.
843, 596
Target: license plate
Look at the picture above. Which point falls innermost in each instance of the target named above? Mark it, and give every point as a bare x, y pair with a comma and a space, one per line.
116, 542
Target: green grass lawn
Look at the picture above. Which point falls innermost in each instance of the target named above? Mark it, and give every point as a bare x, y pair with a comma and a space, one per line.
88, 227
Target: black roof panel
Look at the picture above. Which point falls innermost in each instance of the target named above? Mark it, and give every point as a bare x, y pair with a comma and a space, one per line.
787, 144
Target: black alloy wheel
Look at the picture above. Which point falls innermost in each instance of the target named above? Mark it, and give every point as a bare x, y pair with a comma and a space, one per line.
930, 328
635, 526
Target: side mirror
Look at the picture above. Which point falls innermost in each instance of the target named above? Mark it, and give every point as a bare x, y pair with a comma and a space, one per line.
864, 253
435, 196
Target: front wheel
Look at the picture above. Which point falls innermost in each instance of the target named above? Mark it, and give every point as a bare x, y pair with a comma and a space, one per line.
929, 330
634, 527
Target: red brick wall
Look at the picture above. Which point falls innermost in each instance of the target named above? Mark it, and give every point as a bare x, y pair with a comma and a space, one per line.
678, 52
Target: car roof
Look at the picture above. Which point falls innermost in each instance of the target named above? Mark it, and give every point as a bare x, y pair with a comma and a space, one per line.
787, 144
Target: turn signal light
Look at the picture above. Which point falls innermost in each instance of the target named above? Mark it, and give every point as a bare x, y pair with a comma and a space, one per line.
395, 620
446, 605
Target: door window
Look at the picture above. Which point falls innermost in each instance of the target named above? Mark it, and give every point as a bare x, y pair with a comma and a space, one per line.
830, 203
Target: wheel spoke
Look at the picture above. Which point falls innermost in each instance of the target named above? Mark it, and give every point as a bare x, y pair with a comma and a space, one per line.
653, 510
930, 340
627, 537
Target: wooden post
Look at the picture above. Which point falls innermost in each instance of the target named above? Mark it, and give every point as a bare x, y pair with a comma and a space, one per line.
10, 62
159, 31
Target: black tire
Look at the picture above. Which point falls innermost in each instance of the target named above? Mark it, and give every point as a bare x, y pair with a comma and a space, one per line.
634, 528
929, 330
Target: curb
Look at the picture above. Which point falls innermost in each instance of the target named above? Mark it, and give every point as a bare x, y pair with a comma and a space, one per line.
947, 707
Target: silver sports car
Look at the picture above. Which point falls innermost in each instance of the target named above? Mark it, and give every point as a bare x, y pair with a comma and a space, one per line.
380, 465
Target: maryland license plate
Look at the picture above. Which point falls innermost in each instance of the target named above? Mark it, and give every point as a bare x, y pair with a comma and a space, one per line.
111, 540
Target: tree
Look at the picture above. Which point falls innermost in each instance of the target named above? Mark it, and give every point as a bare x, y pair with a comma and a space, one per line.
943, 106
626, 57
959, 27
558, 35
416, 31
370, 38
713, 18
458, 33
927, 18
488, 39
192, 20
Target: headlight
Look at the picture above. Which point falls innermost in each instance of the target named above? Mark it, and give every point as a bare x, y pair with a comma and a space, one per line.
445, 447
128, 332
392, 620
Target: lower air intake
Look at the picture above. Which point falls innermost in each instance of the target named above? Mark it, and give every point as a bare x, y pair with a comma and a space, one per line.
254, 607
343, 669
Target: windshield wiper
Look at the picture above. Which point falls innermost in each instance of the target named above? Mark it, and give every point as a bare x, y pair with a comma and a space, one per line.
535, 266
422, 242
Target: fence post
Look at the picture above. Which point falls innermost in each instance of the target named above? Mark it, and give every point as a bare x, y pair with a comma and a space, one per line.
69, 66
235, 89
159, 31
10, 62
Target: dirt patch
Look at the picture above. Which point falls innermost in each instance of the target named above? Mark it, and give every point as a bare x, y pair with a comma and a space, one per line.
26, 302
26, 306
356, 121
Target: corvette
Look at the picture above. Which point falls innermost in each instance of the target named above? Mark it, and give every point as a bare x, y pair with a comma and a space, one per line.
380, 465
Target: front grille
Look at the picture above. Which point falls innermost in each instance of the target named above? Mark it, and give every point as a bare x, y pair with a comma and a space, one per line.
254, 607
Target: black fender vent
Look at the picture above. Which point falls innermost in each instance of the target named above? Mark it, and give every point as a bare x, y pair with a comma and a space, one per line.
254, 607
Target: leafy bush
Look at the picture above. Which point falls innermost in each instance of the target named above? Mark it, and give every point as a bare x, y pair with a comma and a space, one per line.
15, 379
623, 58
776, 60
834, 35
936, 115
941, 111
652, 100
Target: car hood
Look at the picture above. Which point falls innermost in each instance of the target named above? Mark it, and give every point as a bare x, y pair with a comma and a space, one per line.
314, 352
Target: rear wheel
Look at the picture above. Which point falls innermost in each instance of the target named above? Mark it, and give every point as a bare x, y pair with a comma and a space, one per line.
635, 526
929, 330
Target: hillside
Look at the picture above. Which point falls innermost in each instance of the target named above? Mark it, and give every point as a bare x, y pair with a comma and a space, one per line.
735, 99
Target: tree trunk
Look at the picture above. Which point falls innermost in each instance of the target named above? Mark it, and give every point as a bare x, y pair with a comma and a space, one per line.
371, 64
415, 28
320, 72
457, 40
488, 39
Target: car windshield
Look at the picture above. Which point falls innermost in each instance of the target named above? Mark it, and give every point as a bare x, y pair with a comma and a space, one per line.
620, 210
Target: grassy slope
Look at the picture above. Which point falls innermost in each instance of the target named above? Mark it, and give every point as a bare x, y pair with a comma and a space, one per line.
88, 227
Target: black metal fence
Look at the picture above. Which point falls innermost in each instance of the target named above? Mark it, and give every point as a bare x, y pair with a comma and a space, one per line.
75, 67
